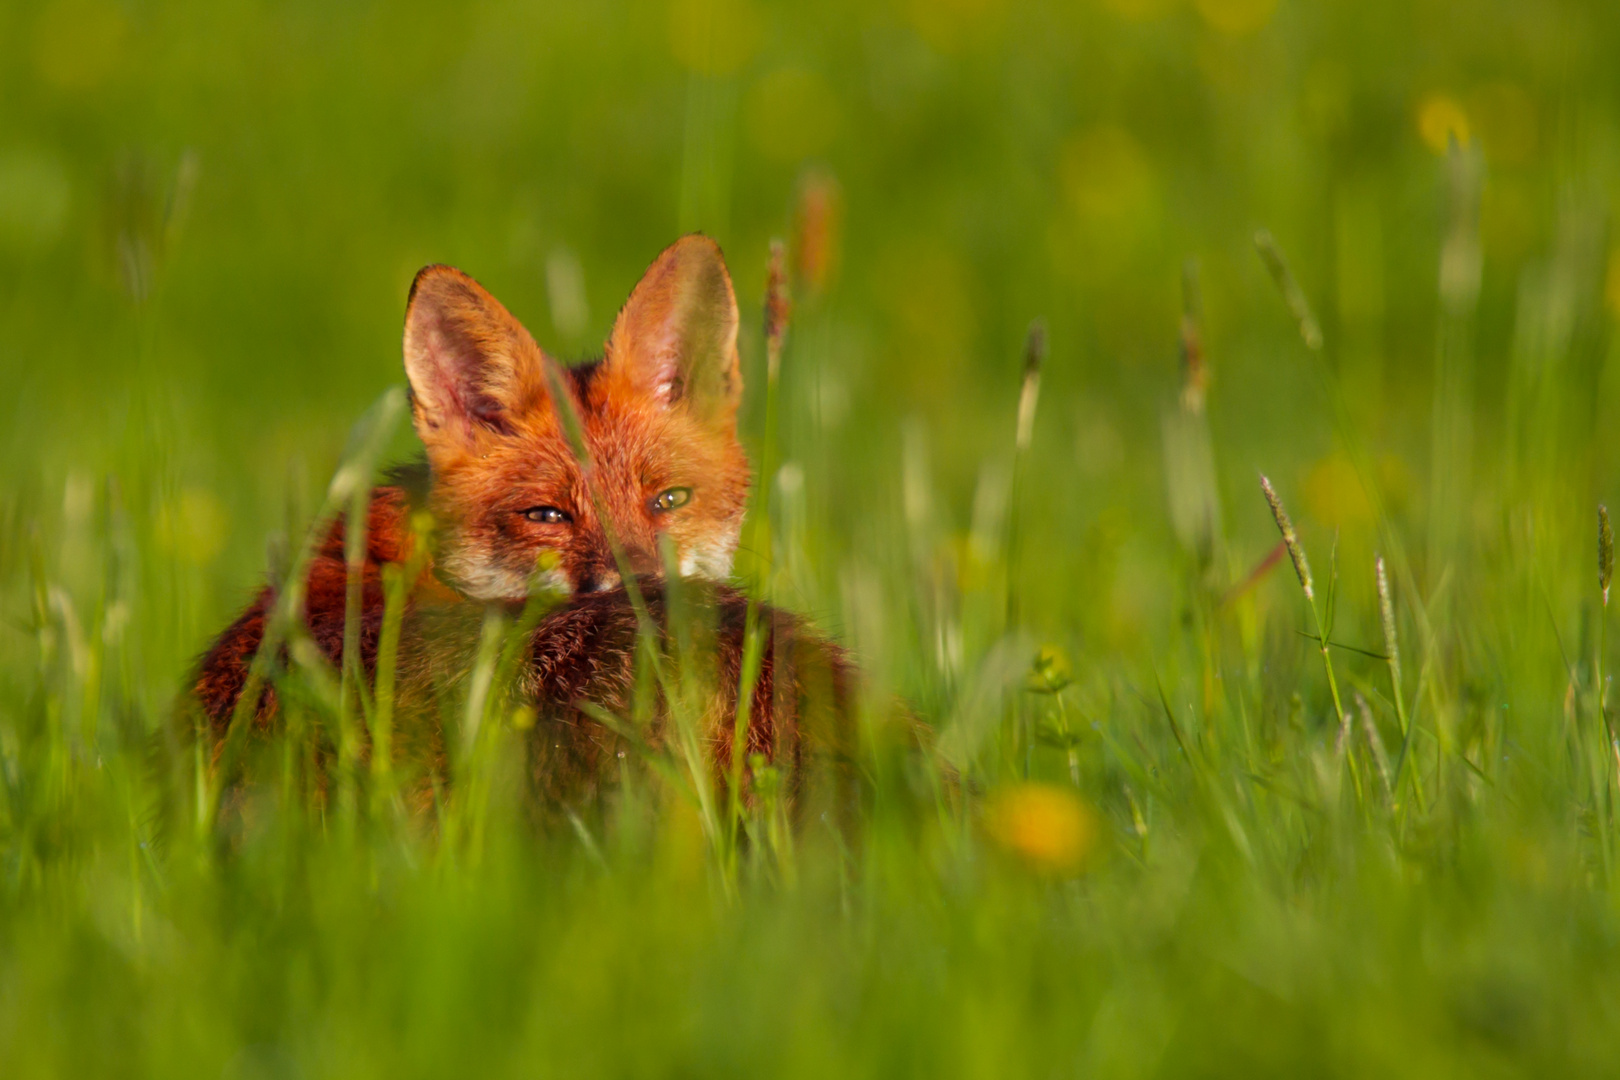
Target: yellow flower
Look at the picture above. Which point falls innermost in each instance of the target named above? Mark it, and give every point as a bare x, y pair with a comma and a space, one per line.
1046, 826
1440, 120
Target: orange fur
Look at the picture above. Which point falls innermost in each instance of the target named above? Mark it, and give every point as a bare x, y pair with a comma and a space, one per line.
657, 414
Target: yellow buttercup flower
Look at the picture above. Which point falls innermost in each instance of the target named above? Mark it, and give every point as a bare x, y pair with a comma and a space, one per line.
1441, 120
1046, 826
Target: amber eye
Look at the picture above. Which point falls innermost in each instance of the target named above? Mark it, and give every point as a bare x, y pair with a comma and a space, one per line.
673, 499
547, 515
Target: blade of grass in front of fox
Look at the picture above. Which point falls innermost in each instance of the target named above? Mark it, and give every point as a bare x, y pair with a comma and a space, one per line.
312, 674
351, 667
464, 816
502, 656
633, 734
742, 717
648, 636
366, 441
398, 580
778, 311
693, 643
562, 401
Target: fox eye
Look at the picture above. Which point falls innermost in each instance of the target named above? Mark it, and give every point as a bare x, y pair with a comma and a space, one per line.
547, 515
673, 499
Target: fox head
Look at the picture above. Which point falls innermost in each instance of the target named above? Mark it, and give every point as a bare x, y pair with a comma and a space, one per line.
657, 414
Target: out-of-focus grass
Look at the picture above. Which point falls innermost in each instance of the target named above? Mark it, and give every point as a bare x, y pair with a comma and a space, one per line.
1174, 858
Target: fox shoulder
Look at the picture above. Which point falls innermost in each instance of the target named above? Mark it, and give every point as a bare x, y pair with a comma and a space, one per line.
222, 672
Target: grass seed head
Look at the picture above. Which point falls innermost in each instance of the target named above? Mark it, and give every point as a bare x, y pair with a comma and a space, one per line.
1290, 539
778, 305
1194, 363
817, 225
1605, 552
1029, 394
1386, 617
1310, 331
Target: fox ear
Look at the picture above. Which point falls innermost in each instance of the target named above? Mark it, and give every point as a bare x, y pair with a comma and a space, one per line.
675, 341
472, 367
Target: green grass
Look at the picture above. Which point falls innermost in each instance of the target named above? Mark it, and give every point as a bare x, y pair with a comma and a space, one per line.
208, 220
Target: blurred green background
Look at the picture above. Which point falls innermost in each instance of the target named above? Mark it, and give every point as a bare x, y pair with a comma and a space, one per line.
210, 215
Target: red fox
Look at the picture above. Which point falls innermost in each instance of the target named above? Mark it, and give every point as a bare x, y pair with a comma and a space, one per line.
513, 508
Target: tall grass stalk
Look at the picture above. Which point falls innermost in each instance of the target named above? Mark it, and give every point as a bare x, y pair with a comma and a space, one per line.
649, 638
778, 311
1605, 579
398, 582
1461, 268
284, 625
353, 689
1029, 396
1311, 334
1302, 570
1397, 688
1605, 560
1310, 330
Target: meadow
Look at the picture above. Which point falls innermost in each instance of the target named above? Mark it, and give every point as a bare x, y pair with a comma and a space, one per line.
1067, 280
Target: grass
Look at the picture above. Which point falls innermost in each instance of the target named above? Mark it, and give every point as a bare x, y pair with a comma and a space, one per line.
1209, 823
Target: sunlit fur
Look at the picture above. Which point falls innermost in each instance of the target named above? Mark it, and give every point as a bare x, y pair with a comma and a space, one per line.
657, 411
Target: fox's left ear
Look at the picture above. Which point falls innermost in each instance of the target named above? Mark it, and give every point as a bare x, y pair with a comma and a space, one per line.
675, 341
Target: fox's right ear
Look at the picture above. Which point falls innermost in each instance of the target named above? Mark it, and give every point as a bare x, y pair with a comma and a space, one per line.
472, 367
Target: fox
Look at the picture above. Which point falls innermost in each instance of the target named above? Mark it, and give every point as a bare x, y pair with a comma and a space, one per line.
515, 507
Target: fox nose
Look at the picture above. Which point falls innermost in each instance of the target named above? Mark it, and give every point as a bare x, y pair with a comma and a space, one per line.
603, 574
642, 559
